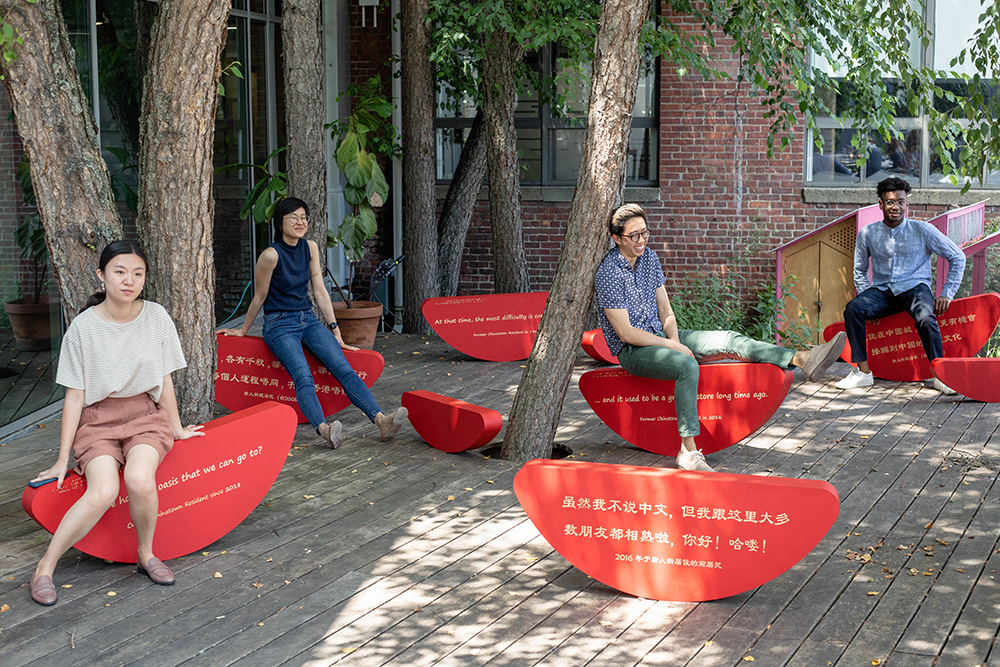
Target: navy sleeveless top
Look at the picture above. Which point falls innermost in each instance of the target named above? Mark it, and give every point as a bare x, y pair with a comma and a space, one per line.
290, 279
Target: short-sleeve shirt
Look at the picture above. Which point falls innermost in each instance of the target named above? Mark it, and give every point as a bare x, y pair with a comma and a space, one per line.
105, 359
618, 285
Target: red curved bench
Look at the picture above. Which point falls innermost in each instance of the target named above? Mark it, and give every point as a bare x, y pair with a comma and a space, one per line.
493, 327
250, 374
596, 346
894, 348
669, 534
973, 377
206, 487
734, 400
449, 424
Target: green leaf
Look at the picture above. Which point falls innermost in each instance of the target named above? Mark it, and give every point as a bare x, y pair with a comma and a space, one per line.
354, 195
347, 150
359, 170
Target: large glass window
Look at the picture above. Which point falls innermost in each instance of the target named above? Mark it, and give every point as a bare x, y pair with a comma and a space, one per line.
910, 153
550, 139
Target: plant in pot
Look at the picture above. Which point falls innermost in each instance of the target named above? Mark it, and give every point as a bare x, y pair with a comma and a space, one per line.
33, 315
360, 138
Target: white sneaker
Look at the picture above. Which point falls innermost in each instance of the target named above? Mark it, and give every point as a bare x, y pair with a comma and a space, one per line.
856, 379
943, 388
693, 460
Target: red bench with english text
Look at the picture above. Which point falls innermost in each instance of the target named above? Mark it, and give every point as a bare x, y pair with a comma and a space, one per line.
734, 400
206, 486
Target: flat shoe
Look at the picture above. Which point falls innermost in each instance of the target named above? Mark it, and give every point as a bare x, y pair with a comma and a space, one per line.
157, 571
43, 591
394, 422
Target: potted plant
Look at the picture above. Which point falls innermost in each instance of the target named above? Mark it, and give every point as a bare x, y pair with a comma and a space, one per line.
34, 315
368, 127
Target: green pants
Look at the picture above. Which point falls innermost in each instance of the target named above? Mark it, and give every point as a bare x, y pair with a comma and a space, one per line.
662, 363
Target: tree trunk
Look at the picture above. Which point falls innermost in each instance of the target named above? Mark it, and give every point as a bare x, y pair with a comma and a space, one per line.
302, 45
69, 175
176, 204
420, 243
510, 266
459, 204
538, 403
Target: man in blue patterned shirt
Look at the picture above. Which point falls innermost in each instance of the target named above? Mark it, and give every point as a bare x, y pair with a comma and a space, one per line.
900, 251
640, 328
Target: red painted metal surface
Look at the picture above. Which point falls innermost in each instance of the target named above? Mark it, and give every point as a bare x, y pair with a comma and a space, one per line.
249, 374
449, 424
973, 377
734, 400
673, 535
206, 487
596, 346
894, 348
492, 327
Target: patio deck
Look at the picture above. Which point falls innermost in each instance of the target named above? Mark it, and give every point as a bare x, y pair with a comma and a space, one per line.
398, 554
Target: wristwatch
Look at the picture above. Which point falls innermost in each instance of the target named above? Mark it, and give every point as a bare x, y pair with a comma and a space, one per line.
332, 325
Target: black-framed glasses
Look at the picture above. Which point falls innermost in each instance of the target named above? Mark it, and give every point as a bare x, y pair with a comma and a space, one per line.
635, 236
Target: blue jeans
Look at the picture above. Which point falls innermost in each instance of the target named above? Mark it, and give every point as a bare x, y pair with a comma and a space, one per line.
873, 303
661, 363
285, 332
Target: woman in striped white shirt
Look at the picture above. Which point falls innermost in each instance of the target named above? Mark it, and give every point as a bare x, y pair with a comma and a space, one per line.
120, 410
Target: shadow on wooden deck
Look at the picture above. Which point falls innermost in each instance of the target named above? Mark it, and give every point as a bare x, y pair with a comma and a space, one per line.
398, 554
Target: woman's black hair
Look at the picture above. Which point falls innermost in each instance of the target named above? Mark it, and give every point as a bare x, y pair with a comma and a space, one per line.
111, 251
283, 208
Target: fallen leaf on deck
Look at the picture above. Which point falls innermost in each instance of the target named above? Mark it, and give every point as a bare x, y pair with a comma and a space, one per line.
349, 650
872, 592
67, 586
604, 623
489, 481
451, 497
256, 585
308, 497
217, 575
111, 594
4, 608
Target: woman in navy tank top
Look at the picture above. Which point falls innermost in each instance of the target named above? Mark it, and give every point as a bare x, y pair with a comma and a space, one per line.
283, 275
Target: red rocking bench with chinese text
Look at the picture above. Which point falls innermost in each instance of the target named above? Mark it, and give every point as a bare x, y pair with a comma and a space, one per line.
894, 348
977, 378
206, 487
668, 534
249, 374
449, 424
734, 400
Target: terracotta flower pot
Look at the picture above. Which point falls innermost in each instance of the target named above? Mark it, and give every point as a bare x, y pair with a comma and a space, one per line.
33, 322
359, 323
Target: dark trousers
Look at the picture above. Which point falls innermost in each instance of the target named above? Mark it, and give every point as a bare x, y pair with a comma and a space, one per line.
874, 303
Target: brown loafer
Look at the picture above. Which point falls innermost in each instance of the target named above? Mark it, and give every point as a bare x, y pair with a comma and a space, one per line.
157, 571
43, 591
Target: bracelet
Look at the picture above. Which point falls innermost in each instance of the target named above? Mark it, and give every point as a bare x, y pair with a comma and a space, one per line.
332, 325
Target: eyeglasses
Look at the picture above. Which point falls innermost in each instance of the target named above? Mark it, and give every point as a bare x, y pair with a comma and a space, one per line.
894, 203
296, 219
635, 236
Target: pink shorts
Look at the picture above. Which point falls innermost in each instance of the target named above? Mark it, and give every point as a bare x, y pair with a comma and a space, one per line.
116, 425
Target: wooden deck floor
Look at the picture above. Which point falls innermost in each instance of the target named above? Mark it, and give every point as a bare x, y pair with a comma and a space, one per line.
398, 554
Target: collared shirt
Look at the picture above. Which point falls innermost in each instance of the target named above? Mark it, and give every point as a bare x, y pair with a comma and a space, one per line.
901, 257
618, 285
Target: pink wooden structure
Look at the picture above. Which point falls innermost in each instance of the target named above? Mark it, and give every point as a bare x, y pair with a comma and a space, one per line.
823, 260
966, 226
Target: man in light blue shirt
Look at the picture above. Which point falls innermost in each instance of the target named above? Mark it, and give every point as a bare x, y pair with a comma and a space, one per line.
900, 251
